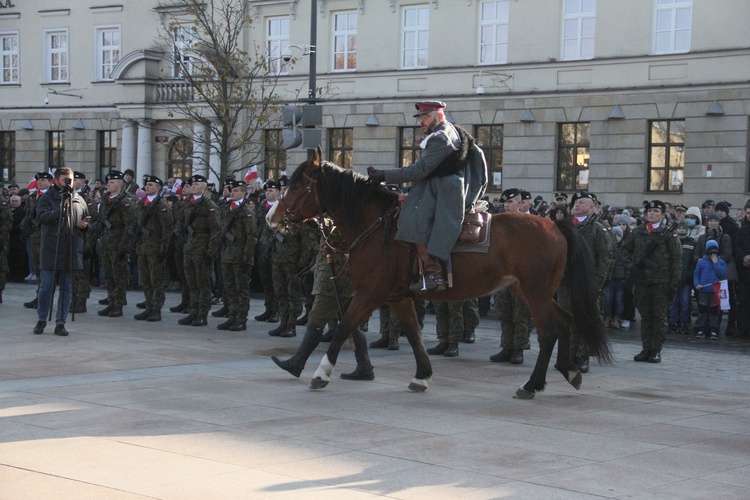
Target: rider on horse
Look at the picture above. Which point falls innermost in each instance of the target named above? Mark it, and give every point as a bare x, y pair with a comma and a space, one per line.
433, 212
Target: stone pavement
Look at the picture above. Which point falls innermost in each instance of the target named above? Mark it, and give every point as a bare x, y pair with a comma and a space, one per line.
126, 409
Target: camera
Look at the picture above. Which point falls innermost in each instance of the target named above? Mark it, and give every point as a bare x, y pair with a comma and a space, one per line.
286, 55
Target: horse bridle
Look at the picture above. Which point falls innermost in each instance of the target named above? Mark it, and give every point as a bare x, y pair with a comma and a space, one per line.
290, 212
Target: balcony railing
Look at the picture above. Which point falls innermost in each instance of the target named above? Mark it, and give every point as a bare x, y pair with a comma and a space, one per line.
173, 91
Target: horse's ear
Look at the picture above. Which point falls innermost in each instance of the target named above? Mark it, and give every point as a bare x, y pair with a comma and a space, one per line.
315, 159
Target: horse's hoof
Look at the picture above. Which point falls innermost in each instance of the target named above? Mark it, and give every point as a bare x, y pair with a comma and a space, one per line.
522, 393
318, 383
417, 385
576, 380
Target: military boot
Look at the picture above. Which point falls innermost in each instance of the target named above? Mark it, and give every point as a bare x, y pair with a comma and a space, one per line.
382, 342
265, 316
225, 325
469, 337
143, 315
239, 325
289, 331
276, 332
364, 370
517, 358
154, 316
200, 320
104, 301
302, 321
439, 349
181, 307
105, 311
141, 305
642, 356
503, 356
296, 363
393, 341
221, 313
80, 308
432, 275
187, 320
451, 351
32, 304
115, 312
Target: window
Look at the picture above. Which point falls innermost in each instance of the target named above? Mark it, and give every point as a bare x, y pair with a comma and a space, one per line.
408, 140
493, 32
415, 34
107, 151
579, 23
573, 156
666, 155
8, 58
7, 156
672, 24
490, 139
275, 154
107, 51
340, 142
56, 149
56, 56
184, 50
181, 158
277, 40
345, 41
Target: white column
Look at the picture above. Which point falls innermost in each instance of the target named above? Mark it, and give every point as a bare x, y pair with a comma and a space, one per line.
200, 153
143, 159
214, 159
127, 158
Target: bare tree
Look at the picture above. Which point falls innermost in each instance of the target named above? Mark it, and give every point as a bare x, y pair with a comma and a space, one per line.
230, 88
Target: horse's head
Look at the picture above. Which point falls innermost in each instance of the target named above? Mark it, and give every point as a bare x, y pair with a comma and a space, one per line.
300, 201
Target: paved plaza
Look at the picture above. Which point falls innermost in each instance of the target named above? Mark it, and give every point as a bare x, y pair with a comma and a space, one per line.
130, 409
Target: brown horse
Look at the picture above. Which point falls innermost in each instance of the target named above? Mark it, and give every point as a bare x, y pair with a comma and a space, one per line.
527, 253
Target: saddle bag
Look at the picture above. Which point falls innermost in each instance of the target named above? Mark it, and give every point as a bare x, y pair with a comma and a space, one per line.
471, 229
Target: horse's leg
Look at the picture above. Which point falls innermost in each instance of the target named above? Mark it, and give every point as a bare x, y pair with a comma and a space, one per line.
404, 309
359, 309
541, 310
564, 364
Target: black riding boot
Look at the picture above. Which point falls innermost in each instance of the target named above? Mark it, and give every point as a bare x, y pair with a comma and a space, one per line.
296, 363
364, 369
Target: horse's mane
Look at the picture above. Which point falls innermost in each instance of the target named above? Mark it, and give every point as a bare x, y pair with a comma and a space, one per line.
344, 190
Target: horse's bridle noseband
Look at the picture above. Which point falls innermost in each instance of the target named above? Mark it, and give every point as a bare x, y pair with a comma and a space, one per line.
290, 212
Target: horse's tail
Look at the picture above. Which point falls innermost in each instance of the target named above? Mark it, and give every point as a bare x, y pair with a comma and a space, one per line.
584, 293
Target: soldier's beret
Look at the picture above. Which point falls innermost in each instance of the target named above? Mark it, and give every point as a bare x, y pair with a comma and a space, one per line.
154, 179
271, 184
680, 207
525, 195
657, 204
559, 196
197, 178
582, 194
114, 175
708, 203
509, 193
43, 175
283, 181
79, 175
424, 107
233, 184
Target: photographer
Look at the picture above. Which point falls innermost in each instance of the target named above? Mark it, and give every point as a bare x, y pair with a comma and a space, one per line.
62, 214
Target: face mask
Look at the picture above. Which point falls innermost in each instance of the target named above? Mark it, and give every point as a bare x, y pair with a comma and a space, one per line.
691, 222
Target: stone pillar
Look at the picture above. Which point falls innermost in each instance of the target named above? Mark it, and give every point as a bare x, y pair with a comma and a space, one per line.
143, 160
127, 157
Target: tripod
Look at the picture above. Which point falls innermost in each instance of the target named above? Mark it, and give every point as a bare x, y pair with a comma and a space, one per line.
66, 228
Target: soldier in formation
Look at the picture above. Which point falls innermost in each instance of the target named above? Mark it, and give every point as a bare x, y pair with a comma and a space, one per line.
31, 229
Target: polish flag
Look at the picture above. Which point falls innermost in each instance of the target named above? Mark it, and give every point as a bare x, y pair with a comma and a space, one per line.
177, 186
32, 185
251, 174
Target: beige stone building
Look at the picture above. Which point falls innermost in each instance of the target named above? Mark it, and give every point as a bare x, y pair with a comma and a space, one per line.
633, 100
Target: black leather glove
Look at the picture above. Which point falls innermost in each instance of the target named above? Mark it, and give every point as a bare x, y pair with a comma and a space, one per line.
375, 175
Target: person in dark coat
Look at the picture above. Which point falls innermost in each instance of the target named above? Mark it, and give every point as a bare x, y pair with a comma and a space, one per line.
58, 254
742, 260
18, 260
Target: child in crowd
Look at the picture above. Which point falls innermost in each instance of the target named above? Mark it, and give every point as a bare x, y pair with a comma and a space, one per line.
679, 310
708, 270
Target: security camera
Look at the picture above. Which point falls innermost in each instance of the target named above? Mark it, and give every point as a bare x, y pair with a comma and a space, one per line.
46, 100
286, 55
480, 90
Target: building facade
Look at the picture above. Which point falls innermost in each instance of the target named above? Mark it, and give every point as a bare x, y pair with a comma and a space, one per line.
632, 100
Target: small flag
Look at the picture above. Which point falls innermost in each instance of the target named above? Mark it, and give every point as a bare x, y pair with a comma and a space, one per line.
32, 185
721, 293
177, 186
251, 174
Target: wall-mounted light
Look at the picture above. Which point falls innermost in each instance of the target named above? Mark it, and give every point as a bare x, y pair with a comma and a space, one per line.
528, 116
616, 113
497, 79
372, 121
27, 125
715, 109
78, 125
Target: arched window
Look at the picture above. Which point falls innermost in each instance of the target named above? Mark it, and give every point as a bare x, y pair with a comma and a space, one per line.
181, 158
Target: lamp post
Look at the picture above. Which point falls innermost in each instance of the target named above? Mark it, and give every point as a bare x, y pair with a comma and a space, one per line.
313, 116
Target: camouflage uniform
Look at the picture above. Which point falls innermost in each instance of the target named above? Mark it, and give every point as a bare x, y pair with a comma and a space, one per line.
115, 223
82, 277
287, 263
32, 230
179, 216
456, 319
202, 226
153, 233
515, 320
6, 223
654, 288
237, 259
264, 261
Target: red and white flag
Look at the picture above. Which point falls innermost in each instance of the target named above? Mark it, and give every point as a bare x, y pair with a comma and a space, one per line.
251, 174
177, 186
721, 293
32, 185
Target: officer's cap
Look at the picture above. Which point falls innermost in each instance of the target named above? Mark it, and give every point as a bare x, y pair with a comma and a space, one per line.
233, 184
561, 196
114, 175
271, 184
424, 107
154, 179
657, 204
43, 175
197, 178
525, 195
79, 175
509, 193
708, 203
680, 207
